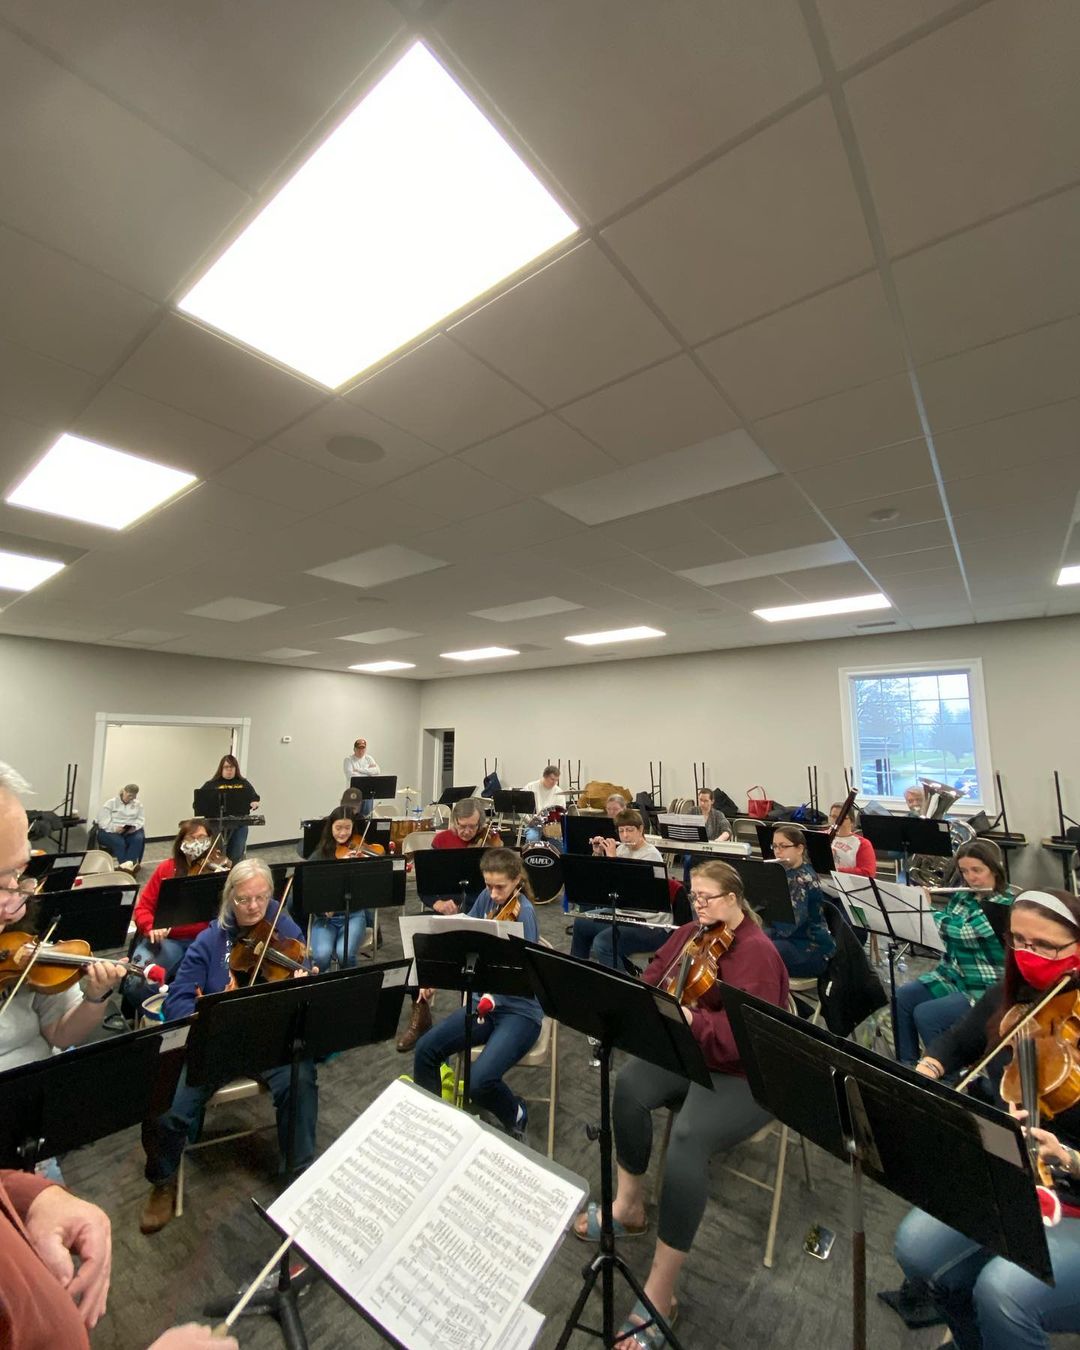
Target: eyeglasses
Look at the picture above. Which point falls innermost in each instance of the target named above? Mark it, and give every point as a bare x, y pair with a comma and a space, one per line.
700, 899
1047, 949
13, 879
252, 900
783, 848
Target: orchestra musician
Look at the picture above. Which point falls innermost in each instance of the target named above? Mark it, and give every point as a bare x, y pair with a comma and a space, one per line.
805, 946
545, 788
717, 825
45, 1301
851, 852
230, 780
989, 1303
338, 840
510, 1029
631, 842
707, 1122
614, 804
915, 800
972, 927
247, 899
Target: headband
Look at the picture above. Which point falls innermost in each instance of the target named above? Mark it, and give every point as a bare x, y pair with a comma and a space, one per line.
1052, 903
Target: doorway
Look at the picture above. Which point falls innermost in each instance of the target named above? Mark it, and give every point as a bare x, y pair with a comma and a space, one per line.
437, 761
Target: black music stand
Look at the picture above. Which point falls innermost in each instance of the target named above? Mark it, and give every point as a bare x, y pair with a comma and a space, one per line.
111, 1081
453, 795
621, 1013
375, 785
54, 871
819, 852
908, 1133
766, 886
579, 830
472, 963
268, 1026
332, 885
909, 834
621, 883
187, 900
449, 873
101, 917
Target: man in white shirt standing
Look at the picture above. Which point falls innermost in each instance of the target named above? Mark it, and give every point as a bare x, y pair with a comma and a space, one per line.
121, 826
361, 765
546, 789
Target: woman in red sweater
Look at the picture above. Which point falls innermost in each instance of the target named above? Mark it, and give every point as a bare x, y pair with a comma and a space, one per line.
851, 852
167, 946
707, 1122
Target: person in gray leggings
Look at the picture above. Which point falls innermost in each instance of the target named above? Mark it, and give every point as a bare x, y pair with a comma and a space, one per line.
707, 1122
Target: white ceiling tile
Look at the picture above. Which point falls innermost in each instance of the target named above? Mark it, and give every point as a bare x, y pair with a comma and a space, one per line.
146, 637
377, 566
1050, 432
924, 560
286, 653
271, 476
660, 409
701, 549
724, 461
191, 368
763, 501
1002, 522
614, 106
544, 450
1031, 256
974, 119
1046, 482
661, 527
842, 425
758, 593
855, 29
526, 609
241, 83
375, 637
916, 507
900, 467
727, 245
35, 389
829, 583
310, 438
777, 534
208, 506
119, 417
502, 531
88, 177
1041, 366
444, 395
566, 329
782, 361
786, 561
233, 609
453, 490
884, 542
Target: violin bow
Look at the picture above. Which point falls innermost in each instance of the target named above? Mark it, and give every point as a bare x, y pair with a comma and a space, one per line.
270, 935
29, 965
1007, 1039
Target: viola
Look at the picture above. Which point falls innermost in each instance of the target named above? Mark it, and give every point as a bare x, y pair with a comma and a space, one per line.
56, 966
695, 970
510, 909
264, 954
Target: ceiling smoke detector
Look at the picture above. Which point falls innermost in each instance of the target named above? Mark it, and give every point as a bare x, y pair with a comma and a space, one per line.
355, 449
885, 515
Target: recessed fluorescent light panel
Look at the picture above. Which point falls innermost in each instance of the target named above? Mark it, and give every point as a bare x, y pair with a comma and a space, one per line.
234, 609
81, 480
413, 206
19, 572
381, 667
853, 604
615, 635
286, 653
1069, 576
480, 654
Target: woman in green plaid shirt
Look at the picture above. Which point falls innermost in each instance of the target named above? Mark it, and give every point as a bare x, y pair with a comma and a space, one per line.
971, 928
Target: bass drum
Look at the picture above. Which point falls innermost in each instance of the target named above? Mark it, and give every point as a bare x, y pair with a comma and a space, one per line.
543, 866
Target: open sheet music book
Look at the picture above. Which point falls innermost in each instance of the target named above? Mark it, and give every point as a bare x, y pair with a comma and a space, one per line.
889, 909
410, 925
435, 1225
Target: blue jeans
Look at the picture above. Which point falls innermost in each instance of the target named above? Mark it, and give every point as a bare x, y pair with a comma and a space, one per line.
921, 1016
801, 961
236, 844
328, 939
593, 941
989, 1303
123, 847
506, 1038
173, 1129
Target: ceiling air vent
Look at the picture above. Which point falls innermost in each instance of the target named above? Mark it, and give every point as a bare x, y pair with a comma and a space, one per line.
876, 624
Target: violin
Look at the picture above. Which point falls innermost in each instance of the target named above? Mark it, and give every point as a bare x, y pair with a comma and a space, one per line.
356, 848
695, 970
53, 966
215, 859
263, 953
1046, 1057
510, 909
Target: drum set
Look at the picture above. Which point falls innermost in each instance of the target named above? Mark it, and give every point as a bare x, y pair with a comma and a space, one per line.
541, 856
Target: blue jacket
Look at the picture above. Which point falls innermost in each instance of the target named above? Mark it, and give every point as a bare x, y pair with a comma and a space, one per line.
205, 966
483, 908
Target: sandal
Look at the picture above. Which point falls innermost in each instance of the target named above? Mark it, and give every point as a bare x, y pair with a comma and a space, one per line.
648, 1337
592, 1226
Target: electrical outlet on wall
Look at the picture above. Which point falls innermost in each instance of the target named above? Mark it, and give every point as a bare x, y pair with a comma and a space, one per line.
286, 740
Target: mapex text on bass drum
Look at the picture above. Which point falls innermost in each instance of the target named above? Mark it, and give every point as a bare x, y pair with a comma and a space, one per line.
543, 867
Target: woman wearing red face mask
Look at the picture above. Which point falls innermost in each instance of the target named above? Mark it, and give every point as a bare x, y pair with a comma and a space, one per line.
987, 1301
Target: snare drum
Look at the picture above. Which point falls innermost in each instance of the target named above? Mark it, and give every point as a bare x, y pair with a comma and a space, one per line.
401, 826
543, 867
552, 817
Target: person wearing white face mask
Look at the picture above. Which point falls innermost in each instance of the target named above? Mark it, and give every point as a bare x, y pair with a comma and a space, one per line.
166, 946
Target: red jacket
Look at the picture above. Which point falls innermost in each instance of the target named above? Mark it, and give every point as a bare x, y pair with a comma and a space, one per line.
865, 858
146, 905
36, 1312
751, 963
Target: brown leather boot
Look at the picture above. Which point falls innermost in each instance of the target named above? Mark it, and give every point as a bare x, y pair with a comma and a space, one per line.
160, 1207
419, 1022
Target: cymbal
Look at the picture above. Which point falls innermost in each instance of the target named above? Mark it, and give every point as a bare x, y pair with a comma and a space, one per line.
401, 792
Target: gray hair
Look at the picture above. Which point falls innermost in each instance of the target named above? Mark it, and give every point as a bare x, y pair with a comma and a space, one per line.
467, 807
245, 870
133, 788
616, 797
11, 780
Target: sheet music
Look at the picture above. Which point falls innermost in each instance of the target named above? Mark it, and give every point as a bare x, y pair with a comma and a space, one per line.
438, 1227
453, 923
522, 1331
904, 910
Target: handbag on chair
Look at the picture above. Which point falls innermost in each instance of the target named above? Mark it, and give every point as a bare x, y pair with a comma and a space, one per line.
758, 807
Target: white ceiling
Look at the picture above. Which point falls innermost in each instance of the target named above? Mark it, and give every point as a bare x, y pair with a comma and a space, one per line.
827, 267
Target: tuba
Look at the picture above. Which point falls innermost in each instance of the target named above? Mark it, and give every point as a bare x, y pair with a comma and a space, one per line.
924, 869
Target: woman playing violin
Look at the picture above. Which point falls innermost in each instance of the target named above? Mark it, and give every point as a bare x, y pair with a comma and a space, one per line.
988, 1302
328, 931
507, 1032
247, 899
707, 1122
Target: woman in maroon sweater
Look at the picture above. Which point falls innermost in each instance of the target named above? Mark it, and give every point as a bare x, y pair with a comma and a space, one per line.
707, 1122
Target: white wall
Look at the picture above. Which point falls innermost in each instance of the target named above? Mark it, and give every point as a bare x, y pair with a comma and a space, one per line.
761, 715
50, 693
166, 762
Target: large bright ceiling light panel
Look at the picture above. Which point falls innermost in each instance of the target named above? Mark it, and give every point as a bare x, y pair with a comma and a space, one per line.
382, 667
615, 635
1069, 576
20, 572
480, 654
410, 209
852, 604
81, 480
